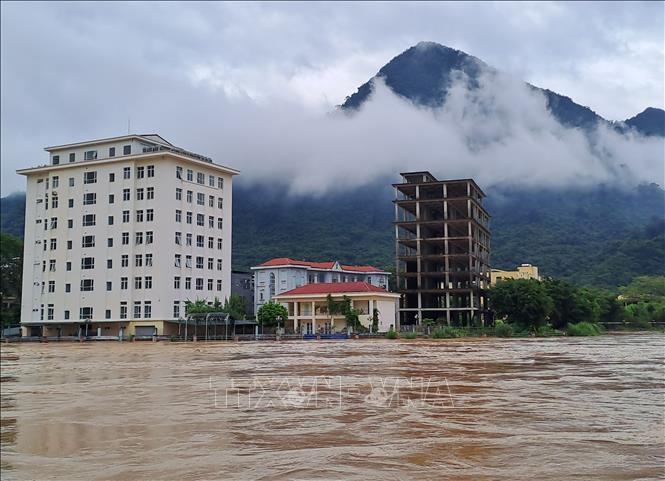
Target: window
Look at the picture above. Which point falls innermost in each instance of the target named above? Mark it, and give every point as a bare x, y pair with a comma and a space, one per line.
177, 260
68, 288
139, 216
219, 264
219, 244
211, 222
137, 308
178, 193
199, 262
178, 238
66, 315
56, 159
72, 157
111, 198
55, 181
110, 220
123, 310
189, 196
200, 220
89, 198
211, 180
140, 172
87, 285
70, 223
210, 284
148, 237
109, 286
111, 177
211, 263
200, 199
126, 150
90, 155
211, 242
70, 203
108, 312
150, 193
220, 183
200, 178
124, 260
189, 217
123, 283
88, 241
147, 309
220, 203
151, 171
138, 260
178, 216
219, 284
88, 263
68, 265
188, 261
126, 194
176, 282
54, 223
190, 175
111, 152
138, 238
199, 241
71, 181
125, 238
139, 194
148, 260
176, 309
149, 215
51, 286
138, 282
211, 201
199, 284
109, 242
126, 172
89, 220
188, 282
189, 239
148, 282
178, 172
54, 201
90, 177
109, 263
125, 216
220, 223
53, 244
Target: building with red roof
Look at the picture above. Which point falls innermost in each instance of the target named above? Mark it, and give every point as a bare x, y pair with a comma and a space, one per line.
276, 276
308, 307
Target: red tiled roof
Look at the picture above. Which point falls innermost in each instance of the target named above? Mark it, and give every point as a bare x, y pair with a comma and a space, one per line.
286, 261
333, 288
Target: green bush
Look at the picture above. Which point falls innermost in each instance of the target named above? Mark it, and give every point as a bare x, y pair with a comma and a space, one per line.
410, 335
547, 331
447, 332
174, 338
584, 329
501, 329
391, 334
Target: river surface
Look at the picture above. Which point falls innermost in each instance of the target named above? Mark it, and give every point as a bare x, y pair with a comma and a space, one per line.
485, 409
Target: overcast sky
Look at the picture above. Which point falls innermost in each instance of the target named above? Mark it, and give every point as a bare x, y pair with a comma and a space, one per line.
75, 71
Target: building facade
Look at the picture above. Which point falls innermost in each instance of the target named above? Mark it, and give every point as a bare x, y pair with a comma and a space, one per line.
119, 233
308, 307
523, 271
442, 250
283, 274
242, 284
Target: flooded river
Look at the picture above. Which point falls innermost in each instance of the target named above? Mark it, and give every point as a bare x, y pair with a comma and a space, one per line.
546, 409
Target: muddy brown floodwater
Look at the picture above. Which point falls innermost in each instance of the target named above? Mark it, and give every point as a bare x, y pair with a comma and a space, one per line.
554, 409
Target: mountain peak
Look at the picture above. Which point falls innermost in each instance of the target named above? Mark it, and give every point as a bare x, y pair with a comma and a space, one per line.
651, 121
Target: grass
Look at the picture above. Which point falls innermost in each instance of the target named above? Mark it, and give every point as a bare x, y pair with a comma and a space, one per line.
584, 329
502, 329
409, 335
447, 332
391, 334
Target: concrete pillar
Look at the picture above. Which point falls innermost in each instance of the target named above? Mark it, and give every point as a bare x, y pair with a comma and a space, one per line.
313, 317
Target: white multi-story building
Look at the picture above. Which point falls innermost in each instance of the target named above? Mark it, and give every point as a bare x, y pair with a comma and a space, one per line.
283, 274
119, 233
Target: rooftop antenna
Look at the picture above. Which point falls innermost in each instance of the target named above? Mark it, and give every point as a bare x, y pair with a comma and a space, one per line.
128, 124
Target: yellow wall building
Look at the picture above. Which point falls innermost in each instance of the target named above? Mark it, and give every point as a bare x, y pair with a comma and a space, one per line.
524, 271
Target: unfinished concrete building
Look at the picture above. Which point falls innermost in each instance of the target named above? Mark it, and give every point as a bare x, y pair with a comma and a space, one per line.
442, 250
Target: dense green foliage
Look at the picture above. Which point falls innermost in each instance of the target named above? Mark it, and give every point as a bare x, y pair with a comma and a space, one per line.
523, 302
200, 306
11, 274
584, 329
270, 314
235, 306
392, 334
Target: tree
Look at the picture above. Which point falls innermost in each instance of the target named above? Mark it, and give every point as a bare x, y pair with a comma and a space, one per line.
269, 312
200, 306
523, 301
235, 306
564, 307
11, 273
